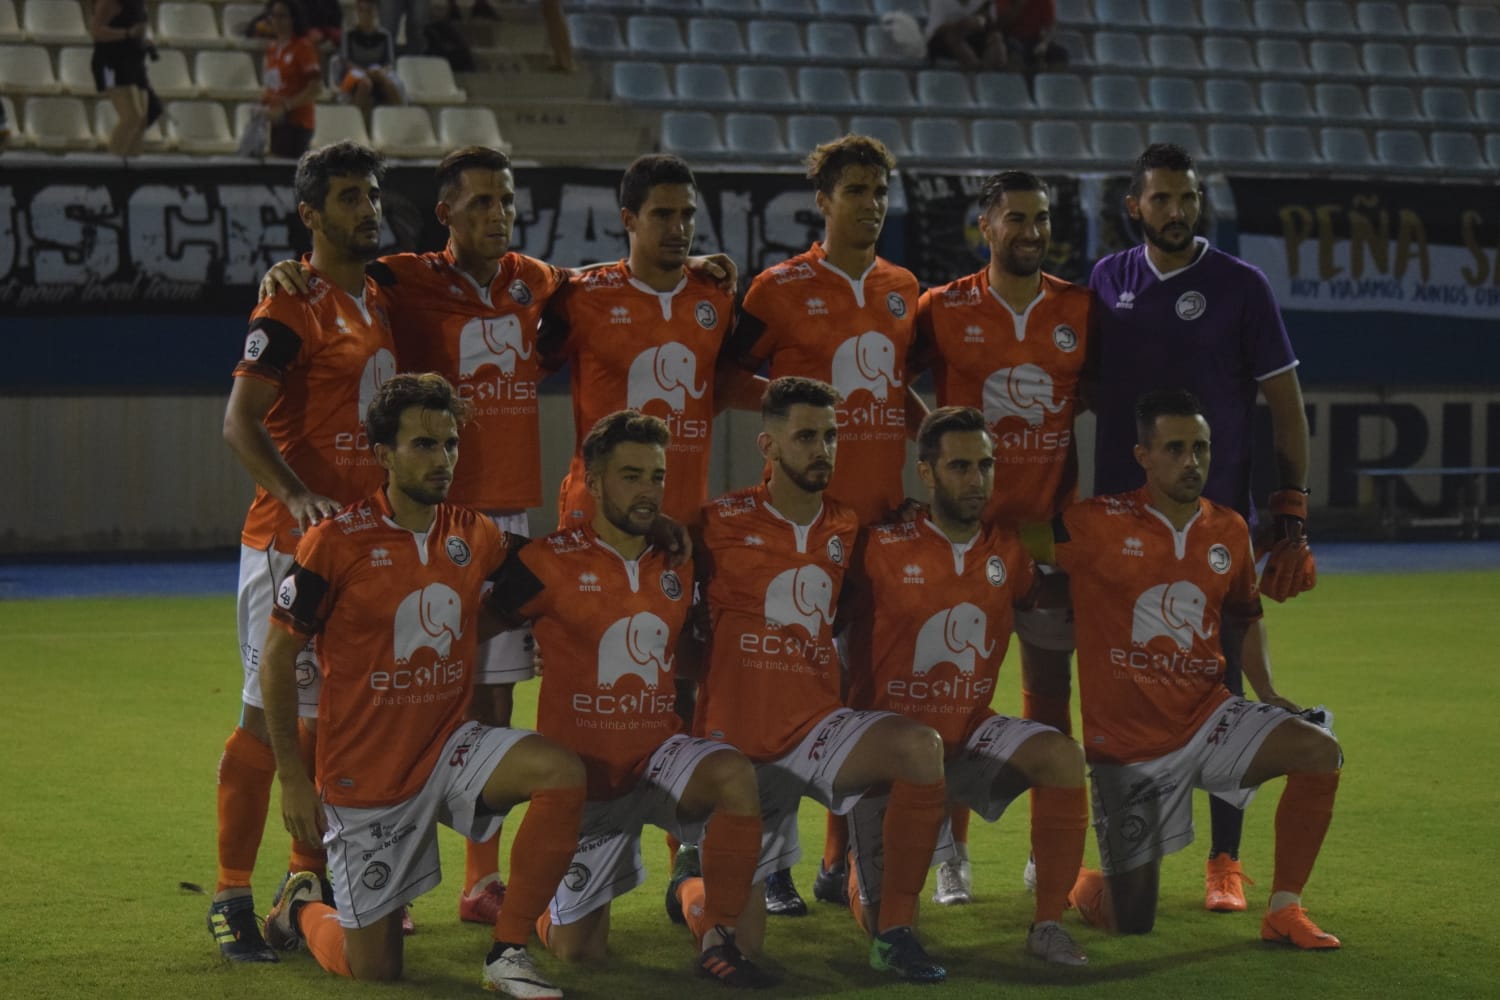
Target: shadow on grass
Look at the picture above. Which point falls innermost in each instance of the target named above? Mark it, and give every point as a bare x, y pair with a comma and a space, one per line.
1014, 965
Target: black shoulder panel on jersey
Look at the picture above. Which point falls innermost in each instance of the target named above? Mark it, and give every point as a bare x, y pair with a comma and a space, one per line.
515, 585
739, 346
299, 596
1060, 531
276, 348
382, 273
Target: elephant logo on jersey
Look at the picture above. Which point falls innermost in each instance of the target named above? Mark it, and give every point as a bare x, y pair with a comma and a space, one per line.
867, 362
667, 373
429, 618
634, 645
802, 596
380, 366
952, 636
1024, 391
492, 340
1173, 610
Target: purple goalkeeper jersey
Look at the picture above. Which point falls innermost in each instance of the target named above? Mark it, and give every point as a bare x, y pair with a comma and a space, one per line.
1212, 328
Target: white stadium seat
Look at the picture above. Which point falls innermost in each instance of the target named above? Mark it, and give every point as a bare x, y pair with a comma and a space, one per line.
469, 127
403, 131
58, 123
753, 135
227, 75
10, 25
336, 122
429, 80
55, 22
690, 132
170, 77
75, 71
104, 123
200, 127
18, 138
26, 69
190, 25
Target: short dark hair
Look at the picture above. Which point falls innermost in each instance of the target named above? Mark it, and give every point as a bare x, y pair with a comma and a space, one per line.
622, 427
450, 171
397, 394
300, 23
826, 163
946, 420
1163, 403
318, 167
789, 390
1159, 156
647, 172
1003, 183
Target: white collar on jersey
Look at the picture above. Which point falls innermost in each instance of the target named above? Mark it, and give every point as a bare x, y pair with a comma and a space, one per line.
1199, 242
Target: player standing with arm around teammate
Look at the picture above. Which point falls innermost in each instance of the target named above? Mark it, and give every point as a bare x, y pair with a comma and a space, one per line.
390, 591
1178, 313
1168, 578
295, 421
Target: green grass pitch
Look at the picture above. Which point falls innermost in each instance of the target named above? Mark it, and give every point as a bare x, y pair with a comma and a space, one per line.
114, 713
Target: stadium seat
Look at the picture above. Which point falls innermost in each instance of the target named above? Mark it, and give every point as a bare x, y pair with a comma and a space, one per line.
883, 88
227, 75
1227, 15
1382, 19
1230, 99
18, 138
778, 40
1174, 52
1337, 101
58, 123
999, 141
337, 122
403, 130
1401, 148
753, 135
187, 25
1484, 63
1278, 15
1174, 14
1119, 94
170, 77
1434, 20
803, 132
1346, 147
1457, 151
1280, 56
1393, 103
1439, 62
429, 80
794, 8
1061, 92
105, 118
1181, 134
715, 36
1119, 51
1230, 56
10, 25
234, 18
459, 127
1492, 149
832, 10
743, 7
1479, 21
686, 6
887, 130
1231, 144
654, 36
703, 83
1176, 95
1384, 60
1286, 100
243, 112
690, 132
1446, 105
1330, 17
1117, 142
199, 127
598, 33
1075, 12
1289, 145
1487, 104
916, 8
825, 87
75, 71
1334, 59
1002, 93
767, 86
1059, 142
881, 50
55, 22
1120, 13
643, 82
943, 139
26, 69
943, 89
1076, 45
834, 40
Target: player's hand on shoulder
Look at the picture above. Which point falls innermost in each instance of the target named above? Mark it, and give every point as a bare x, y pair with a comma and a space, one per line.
719, 267
309, 508
290, 276
672, 537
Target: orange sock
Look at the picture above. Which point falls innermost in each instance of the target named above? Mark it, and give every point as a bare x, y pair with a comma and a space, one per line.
544, 926
693, 896
325, 938
1049, 710
539, 857
835, 842
307, 857
913, 817
481, 859
730, 852
958, 819
245, 773
1059, 825
1302, 819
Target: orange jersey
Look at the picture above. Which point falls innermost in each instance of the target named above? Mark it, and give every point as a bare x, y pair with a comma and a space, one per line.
395, 615
1150, 604
632, 347
1022, 371
772, 588
483, 340
607, 628
931, 621
808, 318
289, 68
327, 353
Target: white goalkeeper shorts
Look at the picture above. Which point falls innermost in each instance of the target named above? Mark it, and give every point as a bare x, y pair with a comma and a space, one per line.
261, 572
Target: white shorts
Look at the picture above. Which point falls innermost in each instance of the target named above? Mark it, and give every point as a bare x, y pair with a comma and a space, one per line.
1144, 811
970, 778
380, 859
261, 572
808, 770
608, 862
507, 658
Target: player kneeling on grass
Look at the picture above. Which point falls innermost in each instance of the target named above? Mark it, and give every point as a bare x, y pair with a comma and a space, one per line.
931, 605
607, 607
390, 590
1158, 576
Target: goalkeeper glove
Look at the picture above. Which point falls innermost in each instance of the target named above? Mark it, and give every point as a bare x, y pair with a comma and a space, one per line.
1290, 568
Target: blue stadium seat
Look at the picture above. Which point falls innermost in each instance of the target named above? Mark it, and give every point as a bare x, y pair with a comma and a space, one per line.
803, 132
1227, 15
883, 88
1446, 105
943, 89
1281, 56
1174, 52
717, 36
1431, 19
1002, 93
1060, 143
825, 87
1230, 56
1231, 144
1339, 101
1484, 63
1401, 148
1492, 149
1118, 50
1279, 15
1487, 104
1457, 151
1076, 45
793, 8
834, 40
644, 82
1479, 21
887, 130
1001, 142
1120, 13
1384, 60
1334, 59
1119, 94
753, 135
595, 33
703, 83
883, 51
1285, 100
1346, 147
1393, 103
1176, 95
1115, 142
1290, 145
1061, 92
916, 8
1182, 134
1173, 14
657, 36
690, 132
745, 8
766, 86
1076, 12
1439, 62
939, 139
779, 40
1382, 19
1330, 17
849, 9
1230, 99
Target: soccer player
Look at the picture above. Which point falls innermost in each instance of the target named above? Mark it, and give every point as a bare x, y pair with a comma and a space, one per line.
841, 314
1011, 341
772, 563
295, 421
607, 607
1178, 313
390, 591
930, 620
1168, 578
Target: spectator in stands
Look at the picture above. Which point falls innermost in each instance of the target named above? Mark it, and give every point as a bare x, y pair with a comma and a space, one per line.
1028, 26
293, 81
417, 15
965, 31
118, 28
325, 24
364, 70
558, 36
